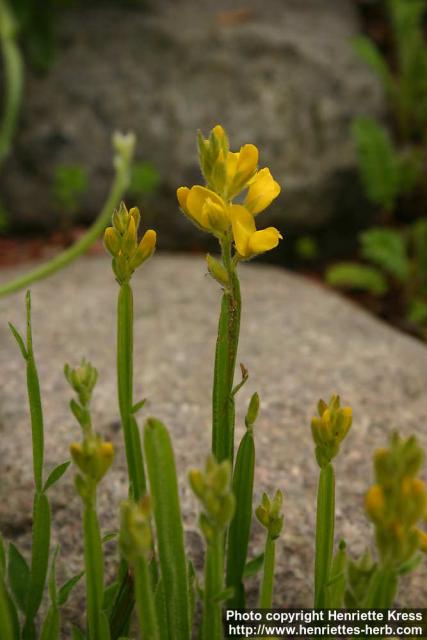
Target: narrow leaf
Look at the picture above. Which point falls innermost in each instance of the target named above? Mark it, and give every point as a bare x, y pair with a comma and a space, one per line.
18, 576
170, 534
19, 340
56, 474
254, 566
67, 587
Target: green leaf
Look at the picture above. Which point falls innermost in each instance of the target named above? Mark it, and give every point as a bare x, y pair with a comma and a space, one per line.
387, 249
350, 275
138, 406
51, 625
18, 576
67, 587
410, 565
145, 179
161, 469
56, 474
9, 622
419, 242
19, 340
240, 526
369, 53
378, 162
417, 311
254, 566
337, 579
76, 634
111, 535
110, 593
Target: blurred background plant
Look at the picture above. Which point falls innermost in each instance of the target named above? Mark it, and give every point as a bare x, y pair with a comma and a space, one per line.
70, 183
364, 234
392, 255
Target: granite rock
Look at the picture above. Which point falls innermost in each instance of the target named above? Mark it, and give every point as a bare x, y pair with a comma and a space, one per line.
283, 76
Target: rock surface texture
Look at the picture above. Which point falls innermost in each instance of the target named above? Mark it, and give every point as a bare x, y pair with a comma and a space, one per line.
281, 74
299, 343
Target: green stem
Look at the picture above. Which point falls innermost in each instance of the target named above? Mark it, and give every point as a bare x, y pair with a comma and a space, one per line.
214, 585
324, 534
145, 601
94, 568
267, 584
13, 69
382, 588
225, 362
69, 255
132, 439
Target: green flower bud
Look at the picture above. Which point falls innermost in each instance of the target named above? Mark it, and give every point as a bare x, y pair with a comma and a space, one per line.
217, 271
213, 488
253, 410
135, 532
329, 429
269, 514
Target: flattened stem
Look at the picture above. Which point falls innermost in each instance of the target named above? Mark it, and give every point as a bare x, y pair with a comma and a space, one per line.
225, 363
325, 522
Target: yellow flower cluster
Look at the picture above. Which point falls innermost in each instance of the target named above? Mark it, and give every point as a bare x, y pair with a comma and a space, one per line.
227, 175
121, 241
398, 500
213, 488
93, 457
330, 428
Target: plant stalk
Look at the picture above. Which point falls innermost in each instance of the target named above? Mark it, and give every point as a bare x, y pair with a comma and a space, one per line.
145, 604
267, 584
137, 484
324, 534
214, 571
225, 362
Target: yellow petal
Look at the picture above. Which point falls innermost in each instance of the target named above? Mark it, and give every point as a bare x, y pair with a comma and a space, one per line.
264, 240
195, 202
262, 191
248, 159
182, 195
243, 226
216, 215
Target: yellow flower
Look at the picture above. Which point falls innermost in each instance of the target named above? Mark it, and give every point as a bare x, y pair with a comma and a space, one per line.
250, 242
205, 208
263, 189
240, 168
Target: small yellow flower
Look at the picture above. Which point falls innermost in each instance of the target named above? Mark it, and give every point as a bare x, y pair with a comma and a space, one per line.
375, 502
205, 208
250, 242
240, 168
263, 189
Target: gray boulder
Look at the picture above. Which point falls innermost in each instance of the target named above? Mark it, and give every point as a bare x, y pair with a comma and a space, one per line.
280, 74
299, 341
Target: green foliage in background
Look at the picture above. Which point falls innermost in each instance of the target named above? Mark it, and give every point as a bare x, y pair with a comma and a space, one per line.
398, 264
393, 172
70, 183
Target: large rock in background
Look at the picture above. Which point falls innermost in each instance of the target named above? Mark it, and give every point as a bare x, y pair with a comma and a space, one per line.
281, 74
299, 343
